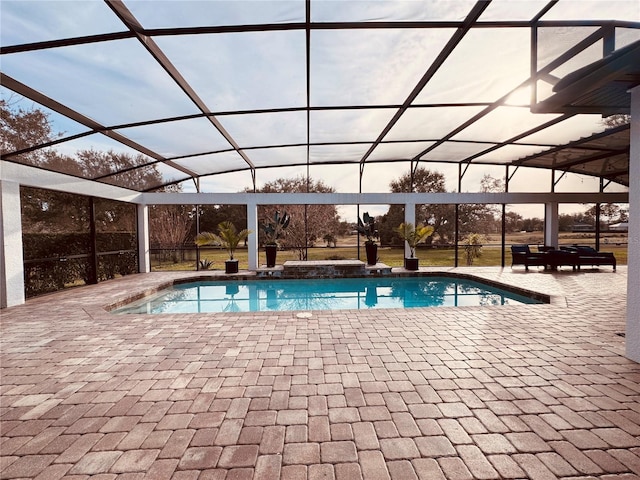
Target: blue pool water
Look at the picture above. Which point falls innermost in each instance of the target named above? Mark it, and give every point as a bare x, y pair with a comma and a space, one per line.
322, 294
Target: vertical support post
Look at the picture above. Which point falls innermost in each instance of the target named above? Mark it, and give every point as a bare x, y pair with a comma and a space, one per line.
597, 225
252, 240
358, 222
598, 214
456, 235
503, 235
456, 227
93, 243
633, 246
551, 224
197, 232
11, 257
503, 238
144, 259
409, 217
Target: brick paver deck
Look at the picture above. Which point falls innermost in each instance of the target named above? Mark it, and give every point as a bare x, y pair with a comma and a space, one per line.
535, 392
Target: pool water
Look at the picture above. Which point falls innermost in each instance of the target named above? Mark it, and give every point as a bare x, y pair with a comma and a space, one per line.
323, 294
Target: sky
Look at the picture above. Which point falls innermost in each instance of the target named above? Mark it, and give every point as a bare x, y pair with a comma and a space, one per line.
118, 82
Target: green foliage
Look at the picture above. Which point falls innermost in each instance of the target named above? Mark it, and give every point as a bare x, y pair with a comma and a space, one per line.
366, 227
228, 237
473, 247
331, 240
274, 230
212, 215
205, 264
311, 221
414, 235
439, 216
55, 261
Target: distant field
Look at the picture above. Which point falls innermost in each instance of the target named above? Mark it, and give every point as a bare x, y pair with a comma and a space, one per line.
394, 256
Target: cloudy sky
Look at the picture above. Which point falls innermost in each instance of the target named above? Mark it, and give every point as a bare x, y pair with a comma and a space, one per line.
118, 82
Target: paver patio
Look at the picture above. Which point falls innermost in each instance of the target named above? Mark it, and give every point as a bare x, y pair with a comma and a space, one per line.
540, 391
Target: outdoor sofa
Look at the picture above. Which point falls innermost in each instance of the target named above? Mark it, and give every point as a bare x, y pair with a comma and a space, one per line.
588, 256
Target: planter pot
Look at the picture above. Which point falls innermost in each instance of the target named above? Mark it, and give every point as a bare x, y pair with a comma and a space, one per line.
231, 266
372, 253
411, 263
272, 252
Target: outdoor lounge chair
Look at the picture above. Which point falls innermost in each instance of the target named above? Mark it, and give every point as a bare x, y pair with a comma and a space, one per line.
590, 256
522, 255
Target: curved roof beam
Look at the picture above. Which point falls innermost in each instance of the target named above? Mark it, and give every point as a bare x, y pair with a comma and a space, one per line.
152, 47
455, 39
95, 127
589, 40
368, 25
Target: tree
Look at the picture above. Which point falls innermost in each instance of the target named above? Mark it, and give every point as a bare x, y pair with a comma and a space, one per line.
513, 222
482, 218
212, 215
533, 224
43, 211
490, 184
440, 217
47, 211
20, 129
609, 213
565, 222
169, 227
308, 222
472, 218
135, 171
617, 120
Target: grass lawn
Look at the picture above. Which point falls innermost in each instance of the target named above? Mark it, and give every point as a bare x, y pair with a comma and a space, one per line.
394, 257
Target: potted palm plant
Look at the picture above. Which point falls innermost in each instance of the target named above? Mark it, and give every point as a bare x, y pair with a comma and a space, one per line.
413, 236
273, 231
227, 237
366, 227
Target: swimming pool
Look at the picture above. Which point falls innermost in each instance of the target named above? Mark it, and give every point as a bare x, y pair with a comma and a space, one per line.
323, 294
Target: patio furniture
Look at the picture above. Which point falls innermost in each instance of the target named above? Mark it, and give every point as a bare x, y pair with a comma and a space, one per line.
559, 258
522, 255
586, 255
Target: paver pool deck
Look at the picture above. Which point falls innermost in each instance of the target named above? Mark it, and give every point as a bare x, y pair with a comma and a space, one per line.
531, 391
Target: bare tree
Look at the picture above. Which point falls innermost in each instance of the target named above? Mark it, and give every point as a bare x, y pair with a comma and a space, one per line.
169, 226
309, 223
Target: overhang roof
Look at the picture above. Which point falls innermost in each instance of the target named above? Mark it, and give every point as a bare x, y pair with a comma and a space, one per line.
207, 88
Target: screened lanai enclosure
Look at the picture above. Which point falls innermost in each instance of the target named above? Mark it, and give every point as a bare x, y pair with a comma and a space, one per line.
214, 95
121, 119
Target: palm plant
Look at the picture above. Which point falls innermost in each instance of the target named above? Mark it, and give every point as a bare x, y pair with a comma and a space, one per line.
413, 235
227, 237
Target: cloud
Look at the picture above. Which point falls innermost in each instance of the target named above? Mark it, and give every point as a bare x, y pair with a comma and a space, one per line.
242, 71
36, 21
